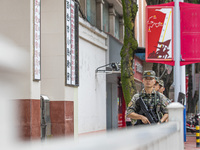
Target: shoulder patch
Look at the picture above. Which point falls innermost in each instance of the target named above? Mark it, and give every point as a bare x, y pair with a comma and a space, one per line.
136, 96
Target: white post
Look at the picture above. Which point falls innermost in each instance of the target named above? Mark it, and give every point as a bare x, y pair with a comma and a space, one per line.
176, 114
183, 84
177, 79
183, 90
179, 75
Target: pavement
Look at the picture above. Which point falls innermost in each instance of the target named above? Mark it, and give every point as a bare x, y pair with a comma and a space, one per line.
190, 143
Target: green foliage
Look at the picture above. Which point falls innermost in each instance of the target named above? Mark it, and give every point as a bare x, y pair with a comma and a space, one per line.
155, 2
196, 1
127, 52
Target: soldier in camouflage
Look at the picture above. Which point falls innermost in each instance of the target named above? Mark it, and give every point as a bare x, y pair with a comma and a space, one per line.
156, 86
151, 98
162, 89
161, 86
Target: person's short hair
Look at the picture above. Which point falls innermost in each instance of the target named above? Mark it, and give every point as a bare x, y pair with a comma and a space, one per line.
149, 73
161, 83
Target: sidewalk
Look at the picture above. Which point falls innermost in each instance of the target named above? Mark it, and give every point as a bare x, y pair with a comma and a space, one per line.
190, 143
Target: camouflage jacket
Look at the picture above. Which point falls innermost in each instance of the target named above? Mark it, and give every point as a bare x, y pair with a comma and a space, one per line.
154, 99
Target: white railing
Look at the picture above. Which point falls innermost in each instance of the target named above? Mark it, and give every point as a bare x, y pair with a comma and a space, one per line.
166, 136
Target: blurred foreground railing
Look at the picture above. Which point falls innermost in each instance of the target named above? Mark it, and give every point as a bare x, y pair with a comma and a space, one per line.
166, 136
157, 137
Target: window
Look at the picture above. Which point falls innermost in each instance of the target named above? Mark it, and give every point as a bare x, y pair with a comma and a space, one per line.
91, 11
117, 26
105, 17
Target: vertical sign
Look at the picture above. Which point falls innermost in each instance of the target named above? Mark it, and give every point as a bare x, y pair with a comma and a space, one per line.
159, 34
68, 42
72, 73
36, 42
121, 108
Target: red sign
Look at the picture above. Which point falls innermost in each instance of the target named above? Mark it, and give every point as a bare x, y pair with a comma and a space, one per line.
190, 33
159, 34
121, 108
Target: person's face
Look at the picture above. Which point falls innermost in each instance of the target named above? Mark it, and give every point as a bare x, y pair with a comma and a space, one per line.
149, 82
156, 86
161, 90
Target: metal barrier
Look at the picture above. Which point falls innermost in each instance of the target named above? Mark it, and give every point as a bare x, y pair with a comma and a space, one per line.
45, 117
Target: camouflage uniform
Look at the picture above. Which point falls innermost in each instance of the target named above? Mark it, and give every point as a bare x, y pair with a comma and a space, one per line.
155, 99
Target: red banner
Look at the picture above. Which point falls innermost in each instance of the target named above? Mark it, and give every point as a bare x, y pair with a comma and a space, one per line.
190, 33
121, 108
159, 34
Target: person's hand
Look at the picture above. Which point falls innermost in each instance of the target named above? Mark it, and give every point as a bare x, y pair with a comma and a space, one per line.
145, 120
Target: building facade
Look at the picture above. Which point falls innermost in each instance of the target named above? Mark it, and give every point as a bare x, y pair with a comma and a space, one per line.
54, 100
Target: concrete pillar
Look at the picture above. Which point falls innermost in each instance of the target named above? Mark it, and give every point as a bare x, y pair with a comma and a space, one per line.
112, 15
121, 29
53, 73
176, 114
99, 14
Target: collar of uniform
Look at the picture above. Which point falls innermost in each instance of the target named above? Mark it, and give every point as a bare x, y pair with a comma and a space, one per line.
143, 92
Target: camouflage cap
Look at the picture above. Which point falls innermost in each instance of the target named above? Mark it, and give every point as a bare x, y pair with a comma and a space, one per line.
157, 79
161, 83
149, 73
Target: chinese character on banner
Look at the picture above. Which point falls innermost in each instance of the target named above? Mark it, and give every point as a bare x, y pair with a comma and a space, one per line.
68, 76
159, 34
68, 17
36, 10
36, 54
36, 2
68, 64
37, 27
67, 29
67, 4
68, 52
